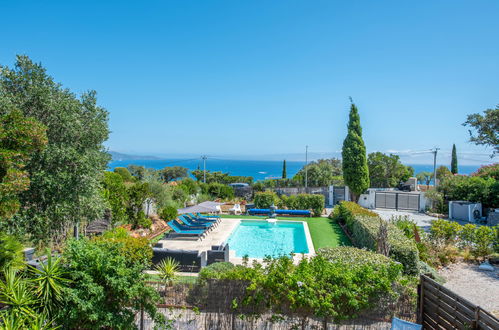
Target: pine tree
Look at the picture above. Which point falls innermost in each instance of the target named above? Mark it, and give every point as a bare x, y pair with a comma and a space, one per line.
284, 174
453, 164
355, 170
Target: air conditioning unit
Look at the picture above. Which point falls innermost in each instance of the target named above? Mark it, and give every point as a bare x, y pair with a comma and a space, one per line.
465, 211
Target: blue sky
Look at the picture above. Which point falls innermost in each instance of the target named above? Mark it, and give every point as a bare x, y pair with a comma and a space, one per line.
268, 77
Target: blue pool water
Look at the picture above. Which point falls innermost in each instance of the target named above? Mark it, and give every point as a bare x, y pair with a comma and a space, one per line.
259, 238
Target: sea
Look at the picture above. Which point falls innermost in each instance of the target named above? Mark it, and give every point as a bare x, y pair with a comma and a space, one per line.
258, 169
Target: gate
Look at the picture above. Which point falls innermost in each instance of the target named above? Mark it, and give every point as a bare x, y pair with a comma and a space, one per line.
338, 194
396, 200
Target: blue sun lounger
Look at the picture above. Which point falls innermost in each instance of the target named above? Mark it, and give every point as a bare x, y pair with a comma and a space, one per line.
188, 222
202, 216
174, 225
196, 220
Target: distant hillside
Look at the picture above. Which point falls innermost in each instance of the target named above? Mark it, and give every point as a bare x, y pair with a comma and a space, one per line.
119, 156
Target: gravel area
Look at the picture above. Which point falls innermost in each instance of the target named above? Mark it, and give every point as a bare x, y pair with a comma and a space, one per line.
421, 219
478, 286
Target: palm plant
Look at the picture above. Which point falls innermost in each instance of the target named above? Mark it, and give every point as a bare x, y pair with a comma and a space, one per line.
167, 269
49, 282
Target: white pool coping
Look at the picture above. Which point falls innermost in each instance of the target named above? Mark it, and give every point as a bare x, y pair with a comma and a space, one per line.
297, 257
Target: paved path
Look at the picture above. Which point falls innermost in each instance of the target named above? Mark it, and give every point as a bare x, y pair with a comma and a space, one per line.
421, 219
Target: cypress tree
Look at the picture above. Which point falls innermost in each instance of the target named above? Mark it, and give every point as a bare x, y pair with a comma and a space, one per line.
453, 164
355, 170
284, 174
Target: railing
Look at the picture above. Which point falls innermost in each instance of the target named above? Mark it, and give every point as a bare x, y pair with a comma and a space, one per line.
440, 308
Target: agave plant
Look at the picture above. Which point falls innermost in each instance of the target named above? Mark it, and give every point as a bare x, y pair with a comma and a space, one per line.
49, 282
16, 292
167, 269
11, 321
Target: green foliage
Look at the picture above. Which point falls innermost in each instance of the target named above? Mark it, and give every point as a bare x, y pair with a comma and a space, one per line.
107, 287
284, 173
480, 240
471, 188
320, 173
189, 186
453, 163
437, 201
20, 137
137, 195
137, 250
220, 177
263, 200
425, 269
216, 270
167, 269
66, 175
424, 177
443, 173
335, 288
364, 226
355, 169
11, 252
125, 174
218, 190
115, 193
386, 171
310, 202
488, 171
168, 174
406, 225
168, 213
486, 128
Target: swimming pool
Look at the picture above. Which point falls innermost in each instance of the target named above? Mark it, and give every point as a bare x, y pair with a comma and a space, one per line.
259, 238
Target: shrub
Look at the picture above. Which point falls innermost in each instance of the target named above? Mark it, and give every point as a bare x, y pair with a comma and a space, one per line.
168, 213
312, 202
107, 288
338, 283
263, 200
364, 226
219, 190
444, 230
215, 270
437, 201
11, 252
345, 212
405, 224
135, 249
484, 240
425, 269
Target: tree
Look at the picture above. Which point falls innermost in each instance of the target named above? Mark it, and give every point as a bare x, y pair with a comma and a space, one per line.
321, 173
425, 177
124, 173
173, 173
20, 137
66, 175
115, 193
486, 127
386, 171
355, 169
284, 174
443, 172
137, 195
453, 163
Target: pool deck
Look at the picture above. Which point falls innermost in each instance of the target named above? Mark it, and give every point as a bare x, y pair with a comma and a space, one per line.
220, 235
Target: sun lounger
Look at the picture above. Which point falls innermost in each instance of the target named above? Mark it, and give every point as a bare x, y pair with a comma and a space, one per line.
181, 230
198, 220
190, 223
207, 216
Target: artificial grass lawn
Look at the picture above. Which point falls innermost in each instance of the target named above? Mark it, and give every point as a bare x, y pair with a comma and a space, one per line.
324, 231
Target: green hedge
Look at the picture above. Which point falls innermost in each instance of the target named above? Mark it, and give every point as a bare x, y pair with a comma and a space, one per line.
263, 200
312, 202
364, 225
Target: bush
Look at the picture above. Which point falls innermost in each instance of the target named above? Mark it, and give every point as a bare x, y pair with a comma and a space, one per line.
405, 224
136, 249
168, 213
219, 190
312, 202
107, 288
263, 200
11, 252
338, 283
364, 226
425, 269
444, 230
215, 270
473, 189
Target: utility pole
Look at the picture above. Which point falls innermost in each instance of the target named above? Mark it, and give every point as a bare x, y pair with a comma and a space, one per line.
306, 169
204, 167
435, 150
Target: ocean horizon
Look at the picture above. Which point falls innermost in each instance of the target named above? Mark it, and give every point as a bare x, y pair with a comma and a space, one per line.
258, 169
